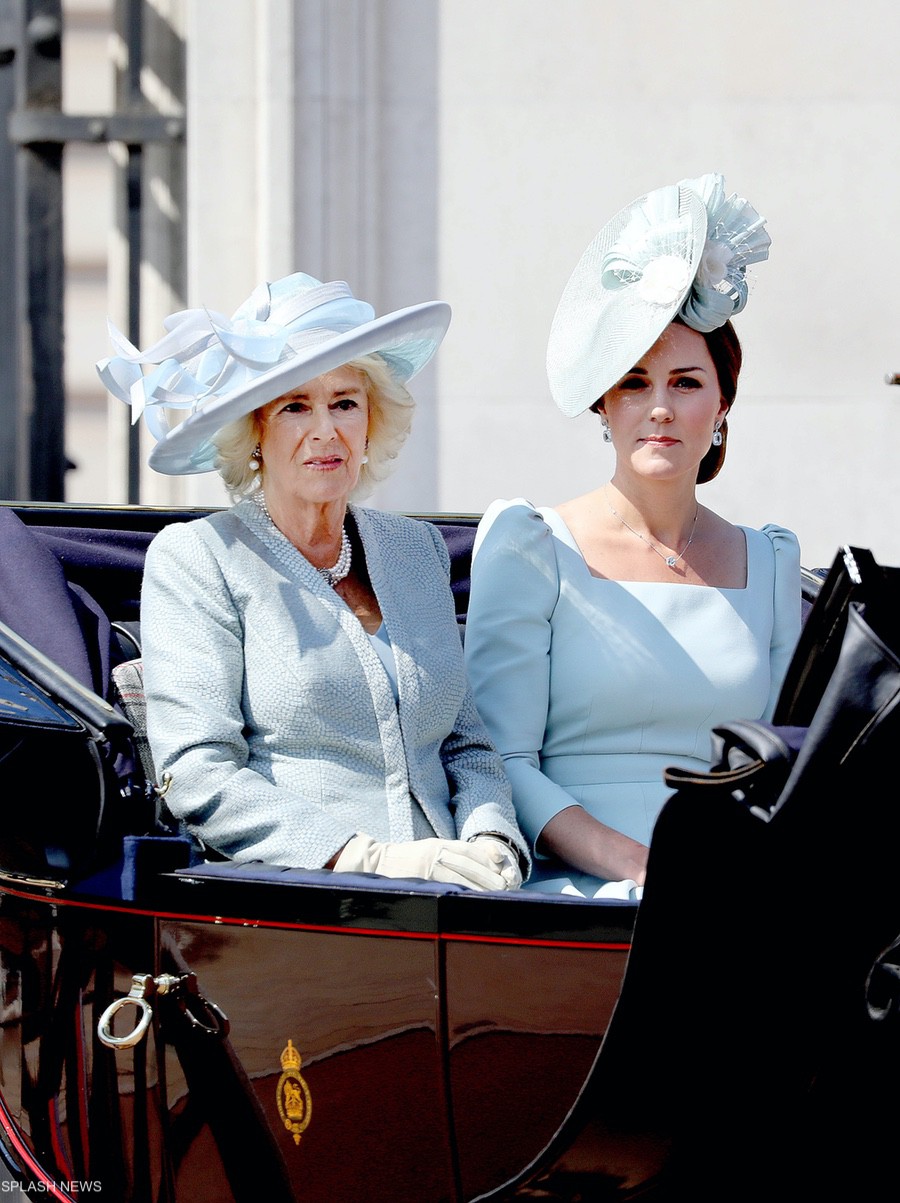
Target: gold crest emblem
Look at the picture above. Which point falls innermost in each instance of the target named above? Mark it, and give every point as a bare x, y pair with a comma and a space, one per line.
292, 1094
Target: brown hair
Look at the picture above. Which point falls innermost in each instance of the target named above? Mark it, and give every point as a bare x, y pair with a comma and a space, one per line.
725, 351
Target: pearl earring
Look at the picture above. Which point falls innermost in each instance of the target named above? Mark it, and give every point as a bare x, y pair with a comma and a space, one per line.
365, 458
255, 459
717, 436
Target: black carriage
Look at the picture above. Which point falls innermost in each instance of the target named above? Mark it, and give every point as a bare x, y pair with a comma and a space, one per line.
177, 1029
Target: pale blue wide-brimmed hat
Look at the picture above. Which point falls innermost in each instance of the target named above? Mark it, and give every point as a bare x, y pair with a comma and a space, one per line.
284, 335
679, 251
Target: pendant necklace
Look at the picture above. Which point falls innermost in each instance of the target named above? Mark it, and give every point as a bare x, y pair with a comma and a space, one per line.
341, 568
670, 561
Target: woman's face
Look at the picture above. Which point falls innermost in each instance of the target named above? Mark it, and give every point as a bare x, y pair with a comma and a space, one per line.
314, 438
663, 412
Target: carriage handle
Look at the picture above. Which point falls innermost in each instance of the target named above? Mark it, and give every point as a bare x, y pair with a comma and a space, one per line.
145, 986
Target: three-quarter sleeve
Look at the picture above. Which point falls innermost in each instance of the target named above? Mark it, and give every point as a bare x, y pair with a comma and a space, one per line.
515, 589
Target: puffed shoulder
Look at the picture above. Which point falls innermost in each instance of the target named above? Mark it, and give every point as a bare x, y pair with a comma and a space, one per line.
512, 521
786, 551
784, 541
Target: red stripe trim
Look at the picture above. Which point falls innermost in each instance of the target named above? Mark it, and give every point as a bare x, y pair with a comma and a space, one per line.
338, 929
83, 1091
534, 942
12, 1132
56, 1138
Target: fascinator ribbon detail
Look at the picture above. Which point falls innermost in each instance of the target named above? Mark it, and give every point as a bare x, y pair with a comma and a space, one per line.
205, 354
652, 253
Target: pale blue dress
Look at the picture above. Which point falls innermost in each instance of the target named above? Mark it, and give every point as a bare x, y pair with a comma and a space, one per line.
590, 688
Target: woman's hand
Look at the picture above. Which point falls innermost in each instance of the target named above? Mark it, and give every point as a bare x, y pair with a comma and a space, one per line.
506, 857
584, 842
481, 864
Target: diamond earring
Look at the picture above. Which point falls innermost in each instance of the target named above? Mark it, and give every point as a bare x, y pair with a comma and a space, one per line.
607, 435
717, 437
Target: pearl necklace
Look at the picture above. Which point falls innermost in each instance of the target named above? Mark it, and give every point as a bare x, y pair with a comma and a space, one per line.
671, 561
341, 568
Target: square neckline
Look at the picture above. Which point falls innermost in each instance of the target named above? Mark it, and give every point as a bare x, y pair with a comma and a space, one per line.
560, 530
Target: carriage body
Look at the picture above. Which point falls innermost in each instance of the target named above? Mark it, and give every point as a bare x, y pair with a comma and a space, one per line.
178, 1030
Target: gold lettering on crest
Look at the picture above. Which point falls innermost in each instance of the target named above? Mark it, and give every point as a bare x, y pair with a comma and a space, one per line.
292, 1094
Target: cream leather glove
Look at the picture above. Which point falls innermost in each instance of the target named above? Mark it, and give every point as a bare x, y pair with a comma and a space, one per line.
479, 865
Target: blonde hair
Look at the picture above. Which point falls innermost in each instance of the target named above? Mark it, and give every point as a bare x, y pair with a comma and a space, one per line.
390, 421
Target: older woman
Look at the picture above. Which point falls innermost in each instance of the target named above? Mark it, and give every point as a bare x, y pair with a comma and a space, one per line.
607, 635
305, 684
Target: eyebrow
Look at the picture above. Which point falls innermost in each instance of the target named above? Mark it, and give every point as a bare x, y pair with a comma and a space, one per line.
300, 395
638, 371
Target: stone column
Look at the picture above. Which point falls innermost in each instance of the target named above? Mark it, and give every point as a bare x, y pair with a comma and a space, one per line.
311, 147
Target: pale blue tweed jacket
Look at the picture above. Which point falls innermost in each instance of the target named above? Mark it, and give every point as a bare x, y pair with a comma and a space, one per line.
273, 713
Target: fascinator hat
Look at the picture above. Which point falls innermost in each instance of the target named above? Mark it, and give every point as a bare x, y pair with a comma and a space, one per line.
680, 251
217, 369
